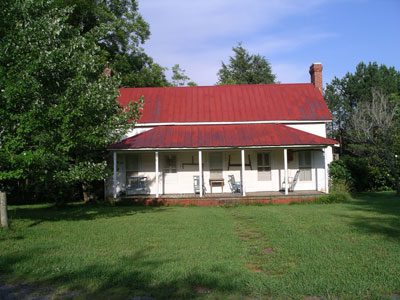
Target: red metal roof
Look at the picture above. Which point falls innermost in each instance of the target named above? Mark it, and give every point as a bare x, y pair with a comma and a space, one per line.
229, 103
243, 135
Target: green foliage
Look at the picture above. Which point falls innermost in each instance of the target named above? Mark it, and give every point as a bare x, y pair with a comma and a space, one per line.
121, 44
244, 68
339, 192
179, 78
366, 176
366, 121
339, 173
57, 111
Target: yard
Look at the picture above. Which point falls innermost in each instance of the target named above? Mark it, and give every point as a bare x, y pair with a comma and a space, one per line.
317, 250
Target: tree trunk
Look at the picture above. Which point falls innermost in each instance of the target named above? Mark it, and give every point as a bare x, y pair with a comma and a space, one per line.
85, 192
3, 210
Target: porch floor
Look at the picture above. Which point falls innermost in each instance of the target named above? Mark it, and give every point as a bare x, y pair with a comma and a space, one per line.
212, 199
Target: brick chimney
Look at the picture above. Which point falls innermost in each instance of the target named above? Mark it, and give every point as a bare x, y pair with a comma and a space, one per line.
316, 75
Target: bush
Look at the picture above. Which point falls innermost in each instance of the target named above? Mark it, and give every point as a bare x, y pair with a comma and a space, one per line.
365, 176
340, 174
339, 192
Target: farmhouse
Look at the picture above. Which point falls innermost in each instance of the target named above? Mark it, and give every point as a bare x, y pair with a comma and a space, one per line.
238, 139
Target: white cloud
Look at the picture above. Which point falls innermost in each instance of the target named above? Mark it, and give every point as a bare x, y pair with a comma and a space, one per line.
199, 34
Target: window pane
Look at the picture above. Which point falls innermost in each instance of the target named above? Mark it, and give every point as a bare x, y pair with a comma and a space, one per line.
264, 175
259, 159
305, 175
216, 161
132, 162
263, 167
305, 159
170, 163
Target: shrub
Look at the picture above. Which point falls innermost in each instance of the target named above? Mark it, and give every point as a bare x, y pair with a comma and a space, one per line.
365, 176
339, 192
340, 174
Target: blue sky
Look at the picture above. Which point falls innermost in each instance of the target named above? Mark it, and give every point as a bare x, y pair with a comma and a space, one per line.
291, 34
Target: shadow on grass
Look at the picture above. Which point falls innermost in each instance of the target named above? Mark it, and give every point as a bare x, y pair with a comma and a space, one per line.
382, 214
76, 212
112, 281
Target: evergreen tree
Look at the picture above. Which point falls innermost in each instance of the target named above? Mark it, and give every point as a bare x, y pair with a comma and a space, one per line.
244, 68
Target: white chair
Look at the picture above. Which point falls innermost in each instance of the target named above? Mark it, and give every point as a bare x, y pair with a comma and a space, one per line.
291, 182
196, 185
235, 186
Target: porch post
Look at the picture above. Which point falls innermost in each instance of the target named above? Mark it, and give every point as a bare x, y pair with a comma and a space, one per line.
157, 183
286, 171
326, 172
242, 174
115, 174
201, 172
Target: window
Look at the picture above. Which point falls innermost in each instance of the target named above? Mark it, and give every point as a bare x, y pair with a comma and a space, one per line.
132, 167
215, 165
305, 165
170, 163
263, 166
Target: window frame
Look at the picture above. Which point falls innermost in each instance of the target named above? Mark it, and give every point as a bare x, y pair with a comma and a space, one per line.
169, 168
264, 169
305, 166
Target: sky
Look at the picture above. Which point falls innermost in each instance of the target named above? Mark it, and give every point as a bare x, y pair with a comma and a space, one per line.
199, 34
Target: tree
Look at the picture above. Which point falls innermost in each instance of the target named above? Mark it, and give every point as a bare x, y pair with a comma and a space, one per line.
244, 68
58, 111
374, 130
121, 45
360, 97
345, 94
179, 77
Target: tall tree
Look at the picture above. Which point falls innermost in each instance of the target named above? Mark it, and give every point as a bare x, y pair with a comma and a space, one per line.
374, 132
121, 45
244, 68
58, 112
360, 103
345, 94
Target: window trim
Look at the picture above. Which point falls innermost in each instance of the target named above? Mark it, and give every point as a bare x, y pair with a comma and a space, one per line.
305, 167
267, 167
169, 168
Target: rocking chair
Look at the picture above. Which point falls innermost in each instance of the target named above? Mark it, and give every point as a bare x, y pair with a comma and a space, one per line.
236, 186
291, 182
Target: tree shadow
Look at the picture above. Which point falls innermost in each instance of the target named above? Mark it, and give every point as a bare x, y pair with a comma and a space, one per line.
111, 282
382, 214
76, 212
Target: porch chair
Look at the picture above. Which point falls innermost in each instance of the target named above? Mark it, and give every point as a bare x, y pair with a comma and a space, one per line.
236, 186
137, 185
196, 185
291, 182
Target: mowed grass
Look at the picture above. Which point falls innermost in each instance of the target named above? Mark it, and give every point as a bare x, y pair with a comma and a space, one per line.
347, 250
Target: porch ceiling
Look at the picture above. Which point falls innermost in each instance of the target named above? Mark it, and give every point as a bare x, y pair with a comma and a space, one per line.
221, 136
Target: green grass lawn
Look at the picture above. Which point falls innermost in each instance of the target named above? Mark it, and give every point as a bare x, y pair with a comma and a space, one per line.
347, 250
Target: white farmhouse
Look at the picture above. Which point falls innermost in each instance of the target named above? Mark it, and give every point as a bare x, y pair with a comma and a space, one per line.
231, 139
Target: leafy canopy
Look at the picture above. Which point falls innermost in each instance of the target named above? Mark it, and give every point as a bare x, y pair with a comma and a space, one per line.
58, 112
366, 120
244, 68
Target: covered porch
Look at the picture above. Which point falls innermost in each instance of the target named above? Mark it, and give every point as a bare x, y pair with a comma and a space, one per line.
205, 160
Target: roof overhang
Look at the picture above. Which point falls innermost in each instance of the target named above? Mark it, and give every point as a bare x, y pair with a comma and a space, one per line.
205, 137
